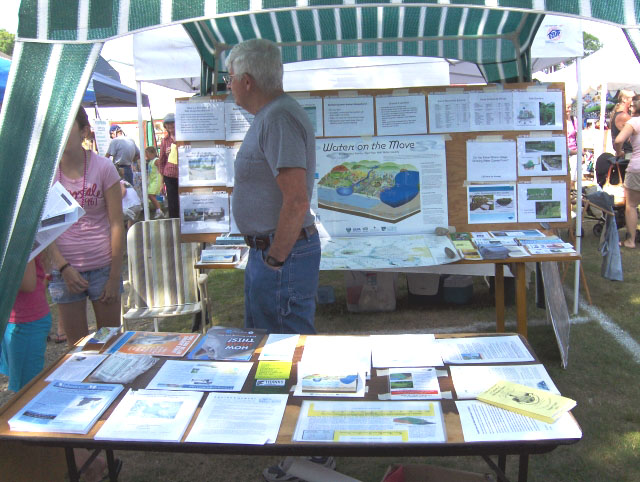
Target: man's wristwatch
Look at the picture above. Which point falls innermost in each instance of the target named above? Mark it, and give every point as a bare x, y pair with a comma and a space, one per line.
271, 261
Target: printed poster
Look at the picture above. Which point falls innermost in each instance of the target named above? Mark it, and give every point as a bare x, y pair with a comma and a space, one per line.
542, 156
201, 120
449, 112
491, 161
400, 115
204, 166
538, 110
491, 203
382, 185
542, 202
204, 213
154, 343
348, 116
237, 121
313, 107
491, 111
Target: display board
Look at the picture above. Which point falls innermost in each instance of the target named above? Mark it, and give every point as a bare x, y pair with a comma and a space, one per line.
473, 158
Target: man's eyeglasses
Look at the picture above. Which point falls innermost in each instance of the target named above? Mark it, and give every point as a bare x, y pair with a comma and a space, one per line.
228, 78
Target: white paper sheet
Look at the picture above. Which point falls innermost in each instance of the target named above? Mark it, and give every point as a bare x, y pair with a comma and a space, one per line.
414, 384
237, 121
542, 202
204, 213
348, 116
484, 349
482, 422
204, 165
352, 351
151, 415
279, 346
401, 114
242, 418
449, 112
200, 120
491, 111
470, 381
313, 107
538, 110
367, 422
77, 367
542, 156
201, 375
491, 161
407, 350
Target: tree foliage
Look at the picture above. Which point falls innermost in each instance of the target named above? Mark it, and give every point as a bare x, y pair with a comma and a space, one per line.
590, 43
6, 42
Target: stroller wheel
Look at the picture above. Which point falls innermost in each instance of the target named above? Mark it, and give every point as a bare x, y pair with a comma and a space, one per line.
597, 229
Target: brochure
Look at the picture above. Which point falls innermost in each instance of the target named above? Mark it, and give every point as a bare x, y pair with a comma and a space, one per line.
151, 415
65, 407
77, 367
279, 346
539, 404
201, 375
272, 376
330, 379
154, 343
122, 368
104, 334
222, 343
239, 418
367, 422
484, 349
414, 383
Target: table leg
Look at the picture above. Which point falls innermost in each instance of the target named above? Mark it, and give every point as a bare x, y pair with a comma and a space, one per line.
111, 466
523, 468
521, 299
499, 295
71, 465
502, 462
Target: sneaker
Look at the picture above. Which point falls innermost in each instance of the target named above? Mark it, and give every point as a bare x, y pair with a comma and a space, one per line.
158, 214
278, 473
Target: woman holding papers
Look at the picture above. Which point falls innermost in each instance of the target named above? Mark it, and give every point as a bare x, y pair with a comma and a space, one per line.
25, 338
87, 258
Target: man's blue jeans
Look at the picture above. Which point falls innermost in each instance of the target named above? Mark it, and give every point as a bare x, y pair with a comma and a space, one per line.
283, 300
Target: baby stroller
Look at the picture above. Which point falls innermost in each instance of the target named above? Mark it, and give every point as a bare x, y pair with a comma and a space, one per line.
608, 165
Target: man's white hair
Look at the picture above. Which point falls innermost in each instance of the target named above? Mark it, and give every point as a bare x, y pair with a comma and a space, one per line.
260, 59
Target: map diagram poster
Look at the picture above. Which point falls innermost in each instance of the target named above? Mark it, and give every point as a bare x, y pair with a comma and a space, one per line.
382, 185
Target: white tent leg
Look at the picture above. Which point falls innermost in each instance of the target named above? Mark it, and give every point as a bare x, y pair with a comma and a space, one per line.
143, 162
576, 283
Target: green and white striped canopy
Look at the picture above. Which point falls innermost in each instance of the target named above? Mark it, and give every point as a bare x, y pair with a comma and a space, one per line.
59, 42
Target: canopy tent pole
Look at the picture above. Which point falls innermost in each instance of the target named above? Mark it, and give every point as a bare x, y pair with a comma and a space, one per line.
603, 109
576, 283
143, 159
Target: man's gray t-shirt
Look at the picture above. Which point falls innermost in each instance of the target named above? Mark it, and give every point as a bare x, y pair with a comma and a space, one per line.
123, 151
280, 136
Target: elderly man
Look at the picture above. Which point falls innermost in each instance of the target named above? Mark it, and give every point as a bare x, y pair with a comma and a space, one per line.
123, 150
274, 174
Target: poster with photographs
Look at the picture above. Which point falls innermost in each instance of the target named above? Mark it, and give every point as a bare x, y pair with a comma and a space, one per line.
491, 203
204, 213
542, 156
534, 110
542, 202
207, 165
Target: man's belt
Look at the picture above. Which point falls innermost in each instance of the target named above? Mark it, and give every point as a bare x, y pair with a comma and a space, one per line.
263, 241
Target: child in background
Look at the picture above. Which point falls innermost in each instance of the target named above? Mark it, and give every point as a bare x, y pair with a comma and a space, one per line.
25, 337
154, 186
131, 204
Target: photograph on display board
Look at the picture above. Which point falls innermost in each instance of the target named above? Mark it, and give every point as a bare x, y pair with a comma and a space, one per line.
538, 110
491, 203
204, 213
204, 166
542, 202
542, 156
375, 186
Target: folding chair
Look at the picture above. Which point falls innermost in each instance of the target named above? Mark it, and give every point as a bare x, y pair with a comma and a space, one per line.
163, 281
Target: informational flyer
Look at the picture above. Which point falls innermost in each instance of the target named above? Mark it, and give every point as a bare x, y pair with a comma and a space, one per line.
237, 121
491, 161
415, 350
484, 349
401, 115
491, 111
201, 120
542, 202
77, 367
382, 185
417, 383
367, 422
313, 107
101, 133
348, 116
204, 165
449, 112
491, 203
542, 156
204, 213
204, 376
538, 110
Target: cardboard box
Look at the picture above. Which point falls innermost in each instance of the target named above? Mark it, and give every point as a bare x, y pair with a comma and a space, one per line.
432, 473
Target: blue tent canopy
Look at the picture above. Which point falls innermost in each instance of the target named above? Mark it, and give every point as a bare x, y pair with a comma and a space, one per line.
102, 90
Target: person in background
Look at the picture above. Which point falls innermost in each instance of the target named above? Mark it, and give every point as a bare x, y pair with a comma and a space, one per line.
124, 152
168, 165
274, 174
619, 117
154, 180
631, 134
25, 337
131, 204
572, 144
87, 258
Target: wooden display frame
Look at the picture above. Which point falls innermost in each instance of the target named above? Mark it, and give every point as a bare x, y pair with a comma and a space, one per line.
456, 155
